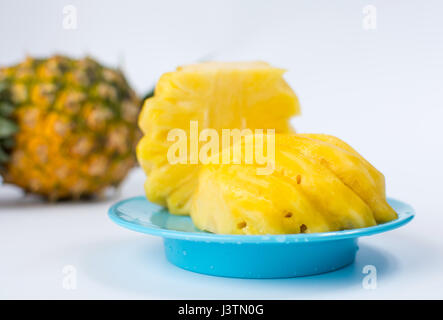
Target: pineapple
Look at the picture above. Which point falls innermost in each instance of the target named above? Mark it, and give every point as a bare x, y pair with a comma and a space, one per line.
318, 184
212, 95
68, 127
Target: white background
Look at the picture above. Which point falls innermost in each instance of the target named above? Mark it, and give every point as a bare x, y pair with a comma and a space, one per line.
380, 90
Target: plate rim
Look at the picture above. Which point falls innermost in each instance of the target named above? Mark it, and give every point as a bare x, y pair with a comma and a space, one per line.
405, 215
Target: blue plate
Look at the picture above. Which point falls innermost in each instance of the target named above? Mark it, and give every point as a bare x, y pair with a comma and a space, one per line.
244, 256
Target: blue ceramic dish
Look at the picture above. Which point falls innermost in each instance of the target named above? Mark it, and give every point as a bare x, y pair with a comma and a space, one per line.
247, 256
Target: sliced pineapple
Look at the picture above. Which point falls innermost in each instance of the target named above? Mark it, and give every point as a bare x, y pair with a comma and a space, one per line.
318, 184
213, 95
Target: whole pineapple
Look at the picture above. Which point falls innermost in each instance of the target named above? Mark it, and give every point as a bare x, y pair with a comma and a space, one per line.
67, 127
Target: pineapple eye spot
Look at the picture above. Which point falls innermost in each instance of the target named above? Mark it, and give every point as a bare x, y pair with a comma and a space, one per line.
241, 225
288, 214
303, 228
298, 179
324, 162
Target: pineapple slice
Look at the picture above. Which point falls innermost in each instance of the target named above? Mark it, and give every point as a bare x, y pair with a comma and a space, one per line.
318, 184
212, 95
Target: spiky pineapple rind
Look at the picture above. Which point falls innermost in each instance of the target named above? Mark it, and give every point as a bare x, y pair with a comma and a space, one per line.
72, 123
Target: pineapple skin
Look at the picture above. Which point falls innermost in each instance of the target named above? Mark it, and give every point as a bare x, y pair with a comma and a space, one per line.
77, 127
218, 95
319, 184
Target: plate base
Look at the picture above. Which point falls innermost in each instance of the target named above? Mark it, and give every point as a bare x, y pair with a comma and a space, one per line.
261, 260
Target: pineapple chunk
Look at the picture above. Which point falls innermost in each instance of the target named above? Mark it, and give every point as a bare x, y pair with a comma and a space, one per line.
214, 95
318, 184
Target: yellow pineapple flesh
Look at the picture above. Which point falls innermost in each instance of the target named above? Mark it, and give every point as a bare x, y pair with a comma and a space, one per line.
213, 95
318, 184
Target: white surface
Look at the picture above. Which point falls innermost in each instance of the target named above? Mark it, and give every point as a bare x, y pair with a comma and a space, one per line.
380, 90
38, 240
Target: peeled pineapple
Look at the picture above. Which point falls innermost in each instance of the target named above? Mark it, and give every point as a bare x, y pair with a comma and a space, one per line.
212, 95
318, 184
